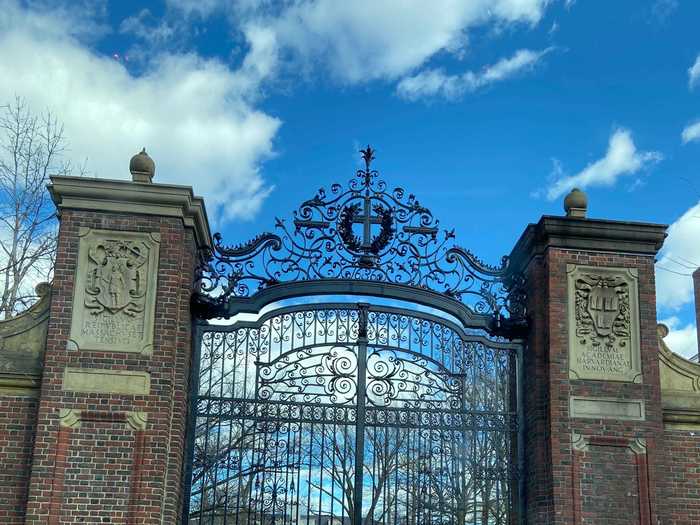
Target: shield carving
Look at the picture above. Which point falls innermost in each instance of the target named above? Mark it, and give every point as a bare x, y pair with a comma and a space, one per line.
116, 280
603, 307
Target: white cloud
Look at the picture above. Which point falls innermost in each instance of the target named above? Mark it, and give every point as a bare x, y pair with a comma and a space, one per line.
694, 73
691, 132
662, 10
622, 158
196, 117
355, 41
202, 8
141, 25
679, 257
435, 82
683, 340
372, 39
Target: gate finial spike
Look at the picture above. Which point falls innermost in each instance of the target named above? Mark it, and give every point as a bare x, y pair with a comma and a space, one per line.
368, 156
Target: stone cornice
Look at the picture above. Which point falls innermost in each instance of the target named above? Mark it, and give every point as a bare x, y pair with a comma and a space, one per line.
680, 387
169, 200
24, 385
22, 344
595, 235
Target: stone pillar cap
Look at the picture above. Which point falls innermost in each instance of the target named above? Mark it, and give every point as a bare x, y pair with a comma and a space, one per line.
576, 203
120, 196
142, 167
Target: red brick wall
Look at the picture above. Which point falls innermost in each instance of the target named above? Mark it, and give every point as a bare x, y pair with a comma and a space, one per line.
551, 495
17, 425
681, 504
104, 469
609, 486
538, 490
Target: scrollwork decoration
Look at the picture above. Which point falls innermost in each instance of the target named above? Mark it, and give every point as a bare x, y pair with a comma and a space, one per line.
363, 231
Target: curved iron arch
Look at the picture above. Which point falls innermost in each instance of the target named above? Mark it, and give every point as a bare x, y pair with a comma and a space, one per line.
429, 384
408, 252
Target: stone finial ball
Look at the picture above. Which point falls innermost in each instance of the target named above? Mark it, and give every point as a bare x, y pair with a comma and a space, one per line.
576, 201
142, 167
42, 289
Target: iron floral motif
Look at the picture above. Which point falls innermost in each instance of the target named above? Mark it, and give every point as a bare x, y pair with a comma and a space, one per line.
400, 242
350, 215
602, 310
311, 375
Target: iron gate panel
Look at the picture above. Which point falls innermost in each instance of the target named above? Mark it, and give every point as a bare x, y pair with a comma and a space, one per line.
335, 414
285, 436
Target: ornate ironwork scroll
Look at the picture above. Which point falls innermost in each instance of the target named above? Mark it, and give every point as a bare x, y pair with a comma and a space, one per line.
354, 415
360, 232
357, 413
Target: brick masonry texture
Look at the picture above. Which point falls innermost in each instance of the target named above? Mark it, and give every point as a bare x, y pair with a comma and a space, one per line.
608, 484
17, 426
681, 478
550, 494
103, 471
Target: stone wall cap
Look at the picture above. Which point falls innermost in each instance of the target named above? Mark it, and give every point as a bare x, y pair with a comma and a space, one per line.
596, 235
121, 196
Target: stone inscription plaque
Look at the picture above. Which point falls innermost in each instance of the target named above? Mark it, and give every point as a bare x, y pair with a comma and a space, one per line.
603, 324
115, 291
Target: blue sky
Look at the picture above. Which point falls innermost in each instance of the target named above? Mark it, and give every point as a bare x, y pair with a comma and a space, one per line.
489, 111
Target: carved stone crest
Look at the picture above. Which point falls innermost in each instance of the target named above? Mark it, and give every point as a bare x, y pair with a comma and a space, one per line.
602, 309
603, 324
117, 281
115, 291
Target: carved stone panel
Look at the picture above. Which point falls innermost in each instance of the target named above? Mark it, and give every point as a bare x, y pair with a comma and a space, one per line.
23, 338
22, 347
603, 322
115, 291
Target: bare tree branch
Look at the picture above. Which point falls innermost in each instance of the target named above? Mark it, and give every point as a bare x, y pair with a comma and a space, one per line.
31, 150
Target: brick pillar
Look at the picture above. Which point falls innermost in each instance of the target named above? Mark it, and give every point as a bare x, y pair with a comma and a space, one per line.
592, 403
113, 403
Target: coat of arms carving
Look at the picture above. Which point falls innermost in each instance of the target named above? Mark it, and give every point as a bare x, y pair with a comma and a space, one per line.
115, 291
117, 279
602, 309
603, 324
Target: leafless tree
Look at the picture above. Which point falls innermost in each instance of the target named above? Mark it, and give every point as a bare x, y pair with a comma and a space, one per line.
225, 469
263, 462
462, 480
464, 477
31, 150
385, 464
230, 454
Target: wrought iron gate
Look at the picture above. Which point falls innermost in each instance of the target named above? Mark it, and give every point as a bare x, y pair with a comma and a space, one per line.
402, 407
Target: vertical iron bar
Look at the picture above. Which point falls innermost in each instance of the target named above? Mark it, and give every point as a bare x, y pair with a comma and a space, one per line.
521, 434
360, 422
191, 418
366, 223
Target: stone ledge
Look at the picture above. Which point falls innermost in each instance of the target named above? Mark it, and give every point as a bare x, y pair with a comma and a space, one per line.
606, 408
106, 381
680, 387
681, 409
71, 418
593, 235
19, 385
105, 195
